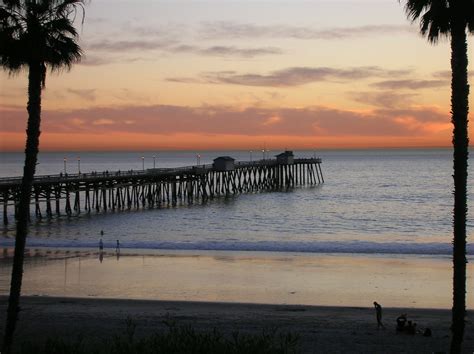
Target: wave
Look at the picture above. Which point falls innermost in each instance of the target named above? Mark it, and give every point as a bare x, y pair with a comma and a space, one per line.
359, 247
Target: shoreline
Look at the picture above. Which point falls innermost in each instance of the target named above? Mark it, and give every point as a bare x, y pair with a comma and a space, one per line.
320, 328
271, 278
73, 251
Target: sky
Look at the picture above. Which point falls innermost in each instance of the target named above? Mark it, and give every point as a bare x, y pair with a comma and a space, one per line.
241, 74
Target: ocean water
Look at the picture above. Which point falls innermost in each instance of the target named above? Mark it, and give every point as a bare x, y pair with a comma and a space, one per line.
396, 201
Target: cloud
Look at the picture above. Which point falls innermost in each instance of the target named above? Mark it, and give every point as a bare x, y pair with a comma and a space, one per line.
315, 121
388, 99
410, 84
86, 94
105, 122
97, 20
232, 30
226, 51
170, 30
272, 120
240, 52
294, 76
185, 80
93, 60
111, 48
446, 74
121, 46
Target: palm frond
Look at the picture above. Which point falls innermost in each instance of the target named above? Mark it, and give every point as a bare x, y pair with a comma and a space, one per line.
434, 17
470, 19
39, 31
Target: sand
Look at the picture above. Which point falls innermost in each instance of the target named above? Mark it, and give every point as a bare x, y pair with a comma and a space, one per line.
321, 329
325, 299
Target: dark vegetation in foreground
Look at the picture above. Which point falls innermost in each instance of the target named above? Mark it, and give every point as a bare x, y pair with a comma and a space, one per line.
177, 339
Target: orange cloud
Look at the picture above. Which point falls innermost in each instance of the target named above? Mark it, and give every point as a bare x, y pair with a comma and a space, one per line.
177, 127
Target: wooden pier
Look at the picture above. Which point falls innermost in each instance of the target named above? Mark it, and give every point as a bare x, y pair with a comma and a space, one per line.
57, 195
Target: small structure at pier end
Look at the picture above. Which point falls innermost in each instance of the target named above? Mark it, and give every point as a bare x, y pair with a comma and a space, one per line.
224, 163
286, 158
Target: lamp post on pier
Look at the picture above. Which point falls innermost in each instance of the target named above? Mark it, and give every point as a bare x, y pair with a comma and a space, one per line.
79, 165
263, 154
154, 161
250, 155
65, 163
143, 163
198, 159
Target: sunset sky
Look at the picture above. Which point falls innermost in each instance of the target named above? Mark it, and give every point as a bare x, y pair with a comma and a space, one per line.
182, 74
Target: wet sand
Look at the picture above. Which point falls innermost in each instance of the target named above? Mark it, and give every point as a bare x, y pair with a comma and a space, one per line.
242, 277
321, 329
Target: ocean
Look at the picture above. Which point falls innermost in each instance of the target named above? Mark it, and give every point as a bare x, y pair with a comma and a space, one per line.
392, 201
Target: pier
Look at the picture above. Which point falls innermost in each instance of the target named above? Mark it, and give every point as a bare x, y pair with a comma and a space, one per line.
71, 194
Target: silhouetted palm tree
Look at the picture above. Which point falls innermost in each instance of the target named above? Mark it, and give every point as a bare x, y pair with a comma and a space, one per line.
34, 35
453, 19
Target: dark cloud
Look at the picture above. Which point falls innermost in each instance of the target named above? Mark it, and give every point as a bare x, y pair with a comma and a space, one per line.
185, 80
225, 120
110, 48
295, 76
226, 51
239, 52
169, 30
410, 84
422, 115
92, 60
97, 20
86, 94
386, 99
111, 58
213, 30
446, 74
123, 46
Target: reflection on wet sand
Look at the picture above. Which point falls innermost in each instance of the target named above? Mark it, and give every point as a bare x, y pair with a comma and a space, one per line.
312, 279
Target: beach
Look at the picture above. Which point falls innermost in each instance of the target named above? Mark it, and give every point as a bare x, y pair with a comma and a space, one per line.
321, 329
325, 299
242, 277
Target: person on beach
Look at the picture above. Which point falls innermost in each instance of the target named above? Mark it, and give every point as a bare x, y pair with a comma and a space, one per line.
401, 321
411, 328
117, 250
101, 243
378, 313
101, 246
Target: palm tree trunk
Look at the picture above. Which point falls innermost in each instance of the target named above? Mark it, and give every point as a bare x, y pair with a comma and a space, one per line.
459, 111
35, 78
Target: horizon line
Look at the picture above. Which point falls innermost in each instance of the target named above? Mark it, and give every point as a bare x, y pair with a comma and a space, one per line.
240, 149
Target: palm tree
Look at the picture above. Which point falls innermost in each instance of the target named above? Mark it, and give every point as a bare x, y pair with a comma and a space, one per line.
34, 35
453, 19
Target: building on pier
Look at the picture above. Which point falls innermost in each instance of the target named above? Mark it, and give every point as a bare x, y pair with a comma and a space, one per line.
224, 163
285, 158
